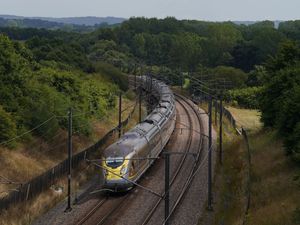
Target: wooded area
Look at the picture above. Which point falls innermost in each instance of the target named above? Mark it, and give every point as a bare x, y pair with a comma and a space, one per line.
254, 66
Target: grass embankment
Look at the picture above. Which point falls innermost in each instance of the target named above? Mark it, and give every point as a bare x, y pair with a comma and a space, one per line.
275, 182
247, 118
25, 163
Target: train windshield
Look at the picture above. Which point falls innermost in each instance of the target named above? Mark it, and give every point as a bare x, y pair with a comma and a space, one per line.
114, 162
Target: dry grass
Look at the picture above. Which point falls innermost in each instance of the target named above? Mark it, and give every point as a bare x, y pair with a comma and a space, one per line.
275, 182
275, 191
28, 212
230, 185
247, 118
24, 214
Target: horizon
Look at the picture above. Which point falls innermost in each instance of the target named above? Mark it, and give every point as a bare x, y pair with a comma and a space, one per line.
126, 18
214, 10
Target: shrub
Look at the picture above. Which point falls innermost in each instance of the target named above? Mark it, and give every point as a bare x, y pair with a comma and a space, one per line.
246, 97
280, 98
7, 127
113, 74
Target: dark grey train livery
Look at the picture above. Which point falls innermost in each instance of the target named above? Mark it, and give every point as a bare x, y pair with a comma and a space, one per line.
122, 160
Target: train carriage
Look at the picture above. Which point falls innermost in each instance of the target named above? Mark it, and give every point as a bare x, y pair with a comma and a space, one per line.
126, 160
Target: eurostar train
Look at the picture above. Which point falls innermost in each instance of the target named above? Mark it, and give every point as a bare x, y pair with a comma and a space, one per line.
125, 161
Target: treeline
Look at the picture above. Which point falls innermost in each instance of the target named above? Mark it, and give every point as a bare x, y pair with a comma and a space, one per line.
280, 98
44, 24
33, 91
238, 61
186, 44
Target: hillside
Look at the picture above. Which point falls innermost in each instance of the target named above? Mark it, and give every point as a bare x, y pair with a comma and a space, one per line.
87, 21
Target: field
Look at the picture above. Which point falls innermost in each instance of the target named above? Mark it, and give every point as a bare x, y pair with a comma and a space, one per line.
249, 119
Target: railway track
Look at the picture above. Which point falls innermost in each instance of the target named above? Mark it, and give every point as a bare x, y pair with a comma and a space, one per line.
150, 214
108, 206
181, 193
192, 172
106, 209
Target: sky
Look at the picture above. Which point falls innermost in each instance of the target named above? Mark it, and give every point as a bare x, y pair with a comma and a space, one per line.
213, 10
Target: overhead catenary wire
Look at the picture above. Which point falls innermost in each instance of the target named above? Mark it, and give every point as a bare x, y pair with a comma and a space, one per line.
27, 132
40, 125
77, 132
37, 127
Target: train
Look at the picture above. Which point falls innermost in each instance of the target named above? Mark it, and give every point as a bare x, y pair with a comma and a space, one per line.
125, 161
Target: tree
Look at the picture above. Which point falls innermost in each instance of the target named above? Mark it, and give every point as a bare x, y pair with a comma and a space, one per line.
280, 99
7, 127
245, 56
236, 77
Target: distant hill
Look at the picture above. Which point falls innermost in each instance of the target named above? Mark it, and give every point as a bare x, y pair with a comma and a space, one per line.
87, 21
247, 23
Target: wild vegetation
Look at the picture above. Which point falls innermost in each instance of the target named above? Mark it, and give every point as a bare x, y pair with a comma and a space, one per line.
280, 100
35, 96
257, 63
274, 179
32, 92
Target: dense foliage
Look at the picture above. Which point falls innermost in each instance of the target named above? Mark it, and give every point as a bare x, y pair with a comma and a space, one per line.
46, 24
213, 57
245, 97
31, 93
280, 101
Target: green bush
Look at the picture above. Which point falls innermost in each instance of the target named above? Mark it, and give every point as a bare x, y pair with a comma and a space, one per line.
246, 97
112, 74
280, 98
31, 93
296, 218
236, 76
7, 127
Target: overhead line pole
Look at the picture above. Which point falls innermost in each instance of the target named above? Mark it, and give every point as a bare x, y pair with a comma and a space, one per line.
140, 104
120, 114
221, 131
216, 112
134, 81
209, 206
69, 208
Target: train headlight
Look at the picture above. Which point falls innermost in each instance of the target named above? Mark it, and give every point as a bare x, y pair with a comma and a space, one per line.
123, 170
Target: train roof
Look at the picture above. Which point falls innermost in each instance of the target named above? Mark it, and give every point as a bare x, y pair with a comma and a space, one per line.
144, 130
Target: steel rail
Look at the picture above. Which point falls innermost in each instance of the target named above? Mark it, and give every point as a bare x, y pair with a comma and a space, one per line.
91, 212
192, 173
104, 220
116, 206
150, 214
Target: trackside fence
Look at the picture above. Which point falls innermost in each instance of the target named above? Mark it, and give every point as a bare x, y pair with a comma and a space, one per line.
41, 183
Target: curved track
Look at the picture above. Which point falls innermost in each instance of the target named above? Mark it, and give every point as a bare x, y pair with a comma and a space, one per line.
178, 190
113, 209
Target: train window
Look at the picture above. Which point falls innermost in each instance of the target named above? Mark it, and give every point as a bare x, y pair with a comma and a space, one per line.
114, 162
131, 135
149, 121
